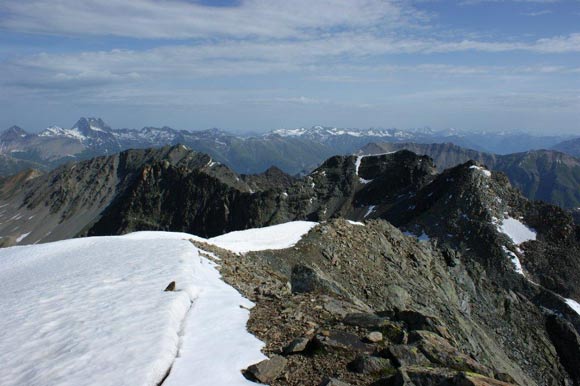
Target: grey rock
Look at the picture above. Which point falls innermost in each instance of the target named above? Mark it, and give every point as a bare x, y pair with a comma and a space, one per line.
342, 341
406, 355
567, 343
374, 337
396, 297
365, 364
297, 345
365, 320
333, 382
267, 370
308, 279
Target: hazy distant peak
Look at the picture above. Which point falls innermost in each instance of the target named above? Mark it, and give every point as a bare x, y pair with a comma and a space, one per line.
13, 132
88, 125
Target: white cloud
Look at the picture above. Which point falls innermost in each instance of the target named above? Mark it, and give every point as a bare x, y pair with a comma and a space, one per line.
175, 19
342, 57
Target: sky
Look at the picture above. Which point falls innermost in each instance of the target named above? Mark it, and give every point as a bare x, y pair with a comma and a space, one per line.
256, 65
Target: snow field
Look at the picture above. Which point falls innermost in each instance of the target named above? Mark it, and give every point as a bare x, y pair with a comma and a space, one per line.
94, 311
516, 230
273, 237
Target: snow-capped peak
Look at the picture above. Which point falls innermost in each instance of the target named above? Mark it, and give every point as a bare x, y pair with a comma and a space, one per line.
321, 131
56, 131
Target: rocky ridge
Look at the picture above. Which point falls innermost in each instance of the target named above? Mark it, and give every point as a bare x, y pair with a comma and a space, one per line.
364, 304
546, 175
176, 189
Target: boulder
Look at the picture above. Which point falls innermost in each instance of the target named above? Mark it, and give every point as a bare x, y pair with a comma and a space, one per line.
267, 370
333, 382
438, 350
335, 340
374, 337
304, 279
366, 320
366, 364
170, 287
404, 355
297, 345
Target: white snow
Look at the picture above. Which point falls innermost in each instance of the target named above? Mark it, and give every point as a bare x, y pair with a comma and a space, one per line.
93, 312
573, 305
515, 261
357, 167
22, 237
516, 230
487, 173
55, 131
357, 164
273, 237
355, 222
370, 210
95, 128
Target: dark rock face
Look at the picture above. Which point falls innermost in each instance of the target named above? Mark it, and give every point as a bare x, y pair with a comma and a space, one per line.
567, 343
546, 175
176, 189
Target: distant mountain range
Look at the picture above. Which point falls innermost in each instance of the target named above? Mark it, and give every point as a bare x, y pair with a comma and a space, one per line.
292, 150
571, 146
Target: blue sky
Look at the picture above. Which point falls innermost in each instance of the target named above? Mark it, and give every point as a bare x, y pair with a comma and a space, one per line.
254, 65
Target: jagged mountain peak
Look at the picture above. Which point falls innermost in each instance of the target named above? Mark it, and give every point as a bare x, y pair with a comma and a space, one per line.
13, 133
94, 124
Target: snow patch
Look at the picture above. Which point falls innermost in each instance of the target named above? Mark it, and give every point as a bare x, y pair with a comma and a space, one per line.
516, 230
22, 237
515, 260
273, 237
355, 222
370, 210
485, 172
573, 304
357, 163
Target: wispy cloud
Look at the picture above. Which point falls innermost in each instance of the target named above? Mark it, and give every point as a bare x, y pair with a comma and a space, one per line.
472, 2
183, 53
232, 58
537, 13
179, 19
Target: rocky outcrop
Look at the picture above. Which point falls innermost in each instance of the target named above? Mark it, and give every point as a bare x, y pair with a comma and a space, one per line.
458, 325
546, 175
